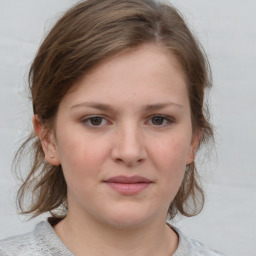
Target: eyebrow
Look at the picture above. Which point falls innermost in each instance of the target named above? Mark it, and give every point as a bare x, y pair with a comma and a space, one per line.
107, 107
159, 106
100, 106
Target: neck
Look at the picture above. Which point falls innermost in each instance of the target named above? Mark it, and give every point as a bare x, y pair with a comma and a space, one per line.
154, 238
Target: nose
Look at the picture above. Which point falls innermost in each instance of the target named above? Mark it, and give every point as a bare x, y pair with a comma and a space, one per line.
129, 145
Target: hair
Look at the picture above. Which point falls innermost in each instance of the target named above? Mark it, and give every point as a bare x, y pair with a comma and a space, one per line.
87, 34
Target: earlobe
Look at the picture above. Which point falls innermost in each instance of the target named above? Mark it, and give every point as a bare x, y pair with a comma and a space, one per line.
47, 141
195, 141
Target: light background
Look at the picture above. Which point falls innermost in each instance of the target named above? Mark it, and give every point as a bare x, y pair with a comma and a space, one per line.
227, 30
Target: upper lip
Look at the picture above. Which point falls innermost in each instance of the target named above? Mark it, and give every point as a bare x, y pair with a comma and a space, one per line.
128, 180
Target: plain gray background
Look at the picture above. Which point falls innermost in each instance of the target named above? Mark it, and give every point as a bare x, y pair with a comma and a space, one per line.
227, 30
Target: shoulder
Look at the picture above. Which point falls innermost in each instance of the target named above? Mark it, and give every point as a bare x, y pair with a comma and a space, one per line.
191, 247
35, 243
17, 245
198, 248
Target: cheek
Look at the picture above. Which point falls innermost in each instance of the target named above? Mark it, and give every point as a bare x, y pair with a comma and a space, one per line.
170, 161
81, 157
172, 152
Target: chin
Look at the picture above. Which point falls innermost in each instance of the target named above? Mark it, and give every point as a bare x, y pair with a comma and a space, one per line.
131, 218
129, 223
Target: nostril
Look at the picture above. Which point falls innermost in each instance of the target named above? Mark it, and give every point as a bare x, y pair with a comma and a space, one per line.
129, 161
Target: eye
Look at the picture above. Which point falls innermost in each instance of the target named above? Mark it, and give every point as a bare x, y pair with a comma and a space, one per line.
94, 121
160, 120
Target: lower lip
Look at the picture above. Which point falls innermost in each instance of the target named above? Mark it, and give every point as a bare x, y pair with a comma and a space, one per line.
128, 188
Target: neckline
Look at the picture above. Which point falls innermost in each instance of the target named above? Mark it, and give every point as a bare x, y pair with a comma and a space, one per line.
45, 233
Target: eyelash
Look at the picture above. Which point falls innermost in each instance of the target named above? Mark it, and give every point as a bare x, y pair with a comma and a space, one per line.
88, 120
168, 120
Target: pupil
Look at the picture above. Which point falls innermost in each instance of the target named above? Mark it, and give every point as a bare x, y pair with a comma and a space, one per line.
158, 120
96, 120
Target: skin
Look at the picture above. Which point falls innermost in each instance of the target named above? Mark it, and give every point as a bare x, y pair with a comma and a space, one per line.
128, 137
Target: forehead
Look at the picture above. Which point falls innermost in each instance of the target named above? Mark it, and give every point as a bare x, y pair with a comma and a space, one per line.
146, 72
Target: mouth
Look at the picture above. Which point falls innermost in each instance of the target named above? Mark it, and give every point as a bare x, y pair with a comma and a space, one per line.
128, 185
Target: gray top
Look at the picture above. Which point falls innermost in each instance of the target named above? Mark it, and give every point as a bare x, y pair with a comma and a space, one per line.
43, 241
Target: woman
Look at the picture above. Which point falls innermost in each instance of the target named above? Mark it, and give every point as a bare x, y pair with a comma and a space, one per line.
117, 89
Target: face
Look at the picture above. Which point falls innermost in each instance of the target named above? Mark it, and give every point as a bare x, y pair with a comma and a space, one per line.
123, 136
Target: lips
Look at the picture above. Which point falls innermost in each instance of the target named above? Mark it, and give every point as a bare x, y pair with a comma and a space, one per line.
128, 185
128, 180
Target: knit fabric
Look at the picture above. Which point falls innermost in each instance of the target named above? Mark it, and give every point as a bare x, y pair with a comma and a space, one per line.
43, 241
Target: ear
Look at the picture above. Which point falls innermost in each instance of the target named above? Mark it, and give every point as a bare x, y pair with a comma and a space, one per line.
193, 146
47, 139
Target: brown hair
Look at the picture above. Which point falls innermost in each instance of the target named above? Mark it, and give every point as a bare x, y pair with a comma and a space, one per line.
88, 33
